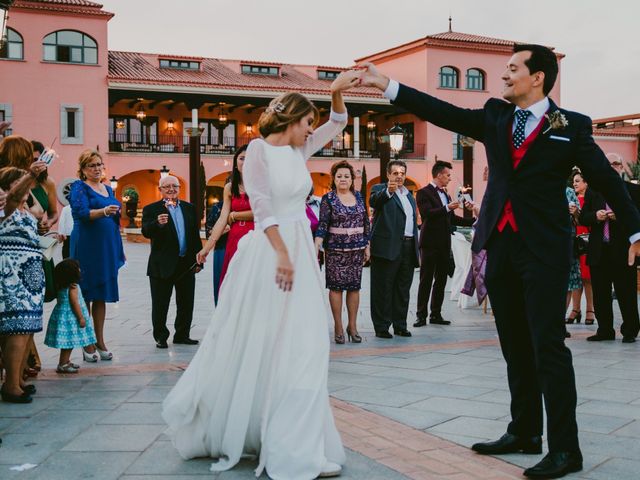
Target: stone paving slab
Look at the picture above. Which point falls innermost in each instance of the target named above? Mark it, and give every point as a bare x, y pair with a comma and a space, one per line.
406, 408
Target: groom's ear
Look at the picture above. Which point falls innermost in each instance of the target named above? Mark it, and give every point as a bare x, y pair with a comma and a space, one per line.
538, 79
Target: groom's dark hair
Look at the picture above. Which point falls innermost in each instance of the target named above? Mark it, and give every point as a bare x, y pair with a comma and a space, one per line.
542, 60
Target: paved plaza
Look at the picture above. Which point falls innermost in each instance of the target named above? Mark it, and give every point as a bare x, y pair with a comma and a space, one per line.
406, 408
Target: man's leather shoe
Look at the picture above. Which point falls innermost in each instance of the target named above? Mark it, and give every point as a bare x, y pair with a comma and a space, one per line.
556, 465
162, 344
509, 443
628, 339
420, 322
599, 337
438, 320
401, 332
185, 341
383, 334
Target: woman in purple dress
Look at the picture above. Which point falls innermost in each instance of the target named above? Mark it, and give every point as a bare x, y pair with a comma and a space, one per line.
344, 231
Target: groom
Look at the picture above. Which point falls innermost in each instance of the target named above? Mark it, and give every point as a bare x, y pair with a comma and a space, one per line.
531, 148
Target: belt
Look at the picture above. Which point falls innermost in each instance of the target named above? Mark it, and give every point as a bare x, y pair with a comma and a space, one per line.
408, 238
346, 231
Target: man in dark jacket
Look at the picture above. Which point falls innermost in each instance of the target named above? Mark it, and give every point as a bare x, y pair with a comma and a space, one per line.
173, 228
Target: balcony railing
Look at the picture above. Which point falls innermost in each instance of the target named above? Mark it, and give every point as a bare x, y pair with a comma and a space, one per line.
180, 144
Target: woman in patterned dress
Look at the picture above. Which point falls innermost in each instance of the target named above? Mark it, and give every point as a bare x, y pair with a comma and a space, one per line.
344, 231
575, 278
21, 279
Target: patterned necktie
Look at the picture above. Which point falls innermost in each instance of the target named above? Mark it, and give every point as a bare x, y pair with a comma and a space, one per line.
606, 234
521, 121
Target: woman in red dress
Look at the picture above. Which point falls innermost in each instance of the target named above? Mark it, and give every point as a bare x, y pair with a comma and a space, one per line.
236, 212
580, 186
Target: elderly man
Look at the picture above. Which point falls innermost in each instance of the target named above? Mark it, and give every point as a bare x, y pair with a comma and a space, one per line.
173, 228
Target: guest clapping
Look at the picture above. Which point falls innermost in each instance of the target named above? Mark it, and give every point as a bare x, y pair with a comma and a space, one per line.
21, 280
96, 244
236, 212
344, 231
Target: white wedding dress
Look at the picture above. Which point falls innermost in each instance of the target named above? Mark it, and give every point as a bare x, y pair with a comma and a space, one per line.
258, 383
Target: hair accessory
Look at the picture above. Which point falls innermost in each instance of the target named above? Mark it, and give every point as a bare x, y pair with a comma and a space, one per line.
277, 108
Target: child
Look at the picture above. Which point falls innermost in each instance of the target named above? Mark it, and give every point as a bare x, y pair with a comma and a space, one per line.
70, 325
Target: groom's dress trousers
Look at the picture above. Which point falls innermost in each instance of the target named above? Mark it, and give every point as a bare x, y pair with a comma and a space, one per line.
173, 252
525, 229
607, 259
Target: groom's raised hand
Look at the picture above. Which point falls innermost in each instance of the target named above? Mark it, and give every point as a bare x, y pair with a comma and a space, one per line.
371, 77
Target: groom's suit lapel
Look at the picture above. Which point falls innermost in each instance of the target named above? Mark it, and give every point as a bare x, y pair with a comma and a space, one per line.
504, 124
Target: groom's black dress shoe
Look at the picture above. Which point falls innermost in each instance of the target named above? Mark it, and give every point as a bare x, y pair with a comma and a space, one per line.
628, 339
383, 334
161, 344
509, 443
401, 332
185, 341
556, 465
420, 322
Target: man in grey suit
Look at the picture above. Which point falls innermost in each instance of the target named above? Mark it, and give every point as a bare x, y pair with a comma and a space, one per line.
394, 251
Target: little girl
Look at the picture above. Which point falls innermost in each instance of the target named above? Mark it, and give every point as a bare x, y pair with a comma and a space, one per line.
70, 325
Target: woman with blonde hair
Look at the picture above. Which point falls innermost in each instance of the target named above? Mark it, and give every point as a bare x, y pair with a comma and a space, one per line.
96, 244
258, 384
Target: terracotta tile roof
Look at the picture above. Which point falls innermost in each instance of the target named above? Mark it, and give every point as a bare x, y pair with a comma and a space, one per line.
84, 7
136, 67
625, 131
467, 37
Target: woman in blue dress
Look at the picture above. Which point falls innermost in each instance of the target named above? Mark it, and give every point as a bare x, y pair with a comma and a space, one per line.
96, 244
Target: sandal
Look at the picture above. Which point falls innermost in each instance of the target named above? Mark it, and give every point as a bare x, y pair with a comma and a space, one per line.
569, 320
339, 339
89, 357
590, 321
104, 354
66, 368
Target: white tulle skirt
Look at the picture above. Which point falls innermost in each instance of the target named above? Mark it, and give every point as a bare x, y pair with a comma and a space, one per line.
258, 383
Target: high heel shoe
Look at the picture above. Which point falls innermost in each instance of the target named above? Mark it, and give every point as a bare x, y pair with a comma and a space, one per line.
104, 354
589, 321
576, 319
89, 357
354, 337
339, 339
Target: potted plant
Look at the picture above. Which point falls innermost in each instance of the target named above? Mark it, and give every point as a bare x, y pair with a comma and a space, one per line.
130, 198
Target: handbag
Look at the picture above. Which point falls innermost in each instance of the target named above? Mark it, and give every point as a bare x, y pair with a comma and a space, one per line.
580, 244
47, 244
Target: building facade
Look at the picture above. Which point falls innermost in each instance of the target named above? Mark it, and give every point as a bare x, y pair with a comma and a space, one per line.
60, 85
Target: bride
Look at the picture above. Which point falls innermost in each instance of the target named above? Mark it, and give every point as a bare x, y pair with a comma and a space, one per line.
258, 383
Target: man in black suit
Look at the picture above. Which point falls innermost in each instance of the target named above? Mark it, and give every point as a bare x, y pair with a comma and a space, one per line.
607, 260
172, 226
531, 148
437, 211
394, 251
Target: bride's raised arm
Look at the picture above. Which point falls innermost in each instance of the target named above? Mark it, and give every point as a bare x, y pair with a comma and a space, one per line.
338, 117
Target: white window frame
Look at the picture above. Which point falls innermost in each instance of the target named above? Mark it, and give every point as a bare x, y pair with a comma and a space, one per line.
78, 139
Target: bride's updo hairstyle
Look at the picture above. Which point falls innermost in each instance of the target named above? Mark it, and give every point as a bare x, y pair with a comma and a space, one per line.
283, 111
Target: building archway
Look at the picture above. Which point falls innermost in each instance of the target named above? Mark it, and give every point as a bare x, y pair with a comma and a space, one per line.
215, 189
321, 183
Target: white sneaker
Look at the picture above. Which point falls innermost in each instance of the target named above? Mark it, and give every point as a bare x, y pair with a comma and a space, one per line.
330, 470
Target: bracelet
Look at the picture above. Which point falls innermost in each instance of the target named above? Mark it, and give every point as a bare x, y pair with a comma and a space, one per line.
104, 211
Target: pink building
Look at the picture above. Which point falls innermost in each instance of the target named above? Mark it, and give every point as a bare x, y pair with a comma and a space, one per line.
59, 81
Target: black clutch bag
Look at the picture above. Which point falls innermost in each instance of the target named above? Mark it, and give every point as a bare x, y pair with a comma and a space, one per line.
580, 244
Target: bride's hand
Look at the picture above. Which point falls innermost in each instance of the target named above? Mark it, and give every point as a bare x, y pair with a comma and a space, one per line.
371, 77
284, 273
346, 80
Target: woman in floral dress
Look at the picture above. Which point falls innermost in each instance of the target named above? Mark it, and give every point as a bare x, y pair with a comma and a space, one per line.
344, 231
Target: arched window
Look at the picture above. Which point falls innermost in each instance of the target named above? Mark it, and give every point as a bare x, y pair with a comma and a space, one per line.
14, 48
70, 46
475, 79
448, 77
